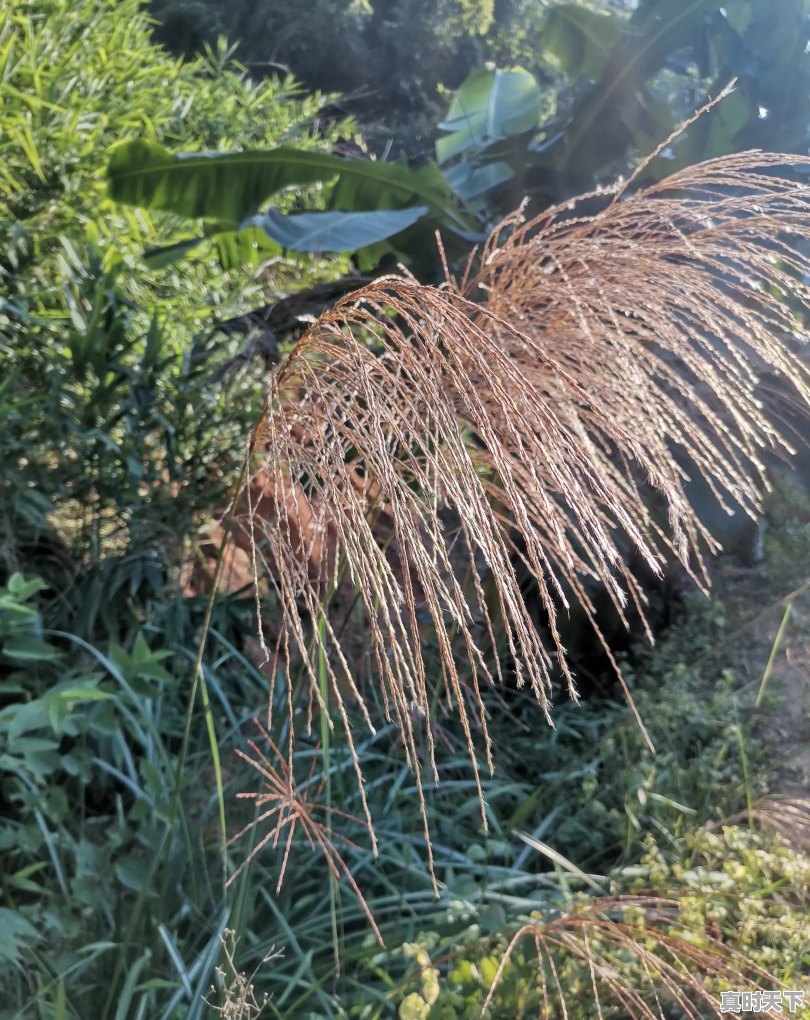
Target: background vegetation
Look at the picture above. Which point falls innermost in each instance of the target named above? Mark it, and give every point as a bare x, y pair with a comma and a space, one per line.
124, 413
625, 67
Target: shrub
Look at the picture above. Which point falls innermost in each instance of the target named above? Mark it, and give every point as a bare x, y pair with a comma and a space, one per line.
716, 923
115, 433
112, 425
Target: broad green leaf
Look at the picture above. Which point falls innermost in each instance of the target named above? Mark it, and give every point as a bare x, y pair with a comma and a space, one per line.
23, 718
659, 28
72, 693
413, 1007
490, 105
488, 967
131, 871
24, 746
23, 589
578, 41
739, 16
336, 231
609, 117
724, 124
248, 247
231, 186
469, 180
714, 134
252, 245
352, 192
225, 186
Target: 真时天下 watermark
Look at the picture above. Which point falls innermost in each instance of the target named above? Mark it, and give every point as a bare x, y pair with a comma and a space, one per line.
775, 1002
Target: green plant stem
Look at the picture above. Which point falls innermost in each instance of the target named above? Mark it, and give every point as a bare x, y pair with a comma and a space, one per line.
198, 681
777, 644
749, 793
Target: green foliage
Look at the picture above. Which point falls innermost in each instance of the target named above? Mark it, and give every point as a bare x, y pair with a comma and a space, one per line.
104, 907
625, 86
618, 88
404, 49
368, 201
489, 106
74, 108
578, 41
615, 77
115, 415
590, 789
733, 887
748, 885
117, 409
113, 366
787, 538
337, 231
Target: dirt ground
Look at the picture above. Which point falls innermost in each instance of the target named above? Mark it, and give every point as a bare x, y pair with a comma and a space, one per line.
768, 638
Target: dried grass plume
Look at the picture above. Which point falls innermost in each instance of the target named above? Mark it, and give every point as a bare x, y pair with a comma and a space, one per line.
421, 444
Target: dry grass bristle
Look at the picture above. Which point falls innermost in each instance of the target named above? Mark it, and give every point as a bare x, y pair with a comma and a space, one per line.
287, 806
422, 446
637, 956
789, 817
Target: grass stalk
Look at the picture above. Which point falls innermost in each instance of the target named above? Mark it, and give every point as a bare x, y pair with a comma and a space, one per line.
775, 647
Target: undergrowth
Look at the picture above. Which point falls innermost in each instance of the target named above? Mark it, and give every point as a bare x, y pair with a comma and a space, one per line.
579, 811
584, 807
